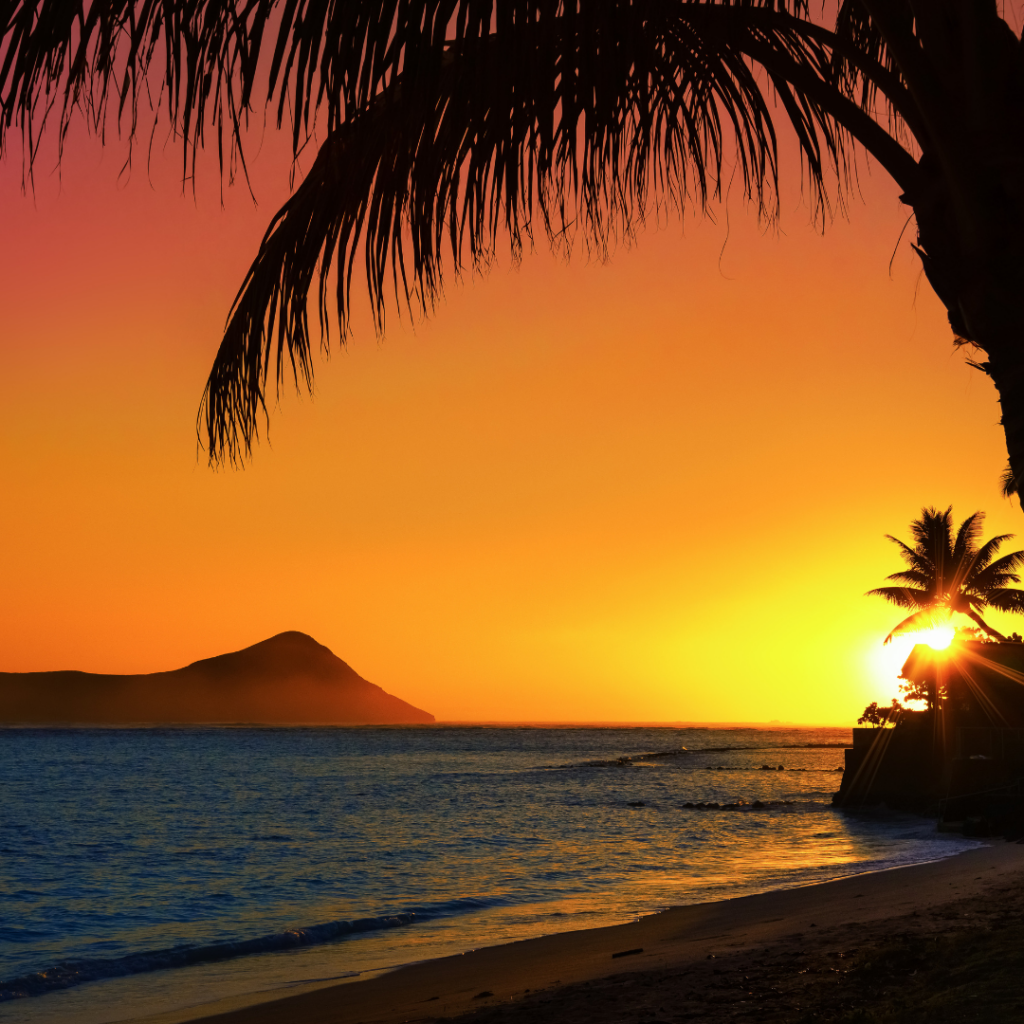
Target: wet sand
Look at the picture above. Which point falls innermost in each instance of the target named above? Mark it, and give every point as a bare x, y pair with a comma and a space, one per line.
726, 960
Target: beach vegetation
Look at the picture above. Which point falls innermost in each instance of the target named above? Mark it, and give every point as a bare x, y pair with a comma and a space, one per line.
880, 717
951, 571
923, 689
438, 127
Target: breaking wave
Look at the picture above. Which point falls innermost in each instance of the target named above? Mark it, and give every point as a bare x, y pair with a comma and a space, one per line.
77, 972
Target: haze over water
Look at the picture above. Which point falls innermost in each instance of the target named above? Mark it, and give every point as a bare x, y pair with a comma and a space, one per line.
144, 870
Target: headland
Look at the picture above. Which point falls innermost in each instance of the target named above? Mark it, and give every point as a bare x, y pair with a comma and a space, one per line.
289, 679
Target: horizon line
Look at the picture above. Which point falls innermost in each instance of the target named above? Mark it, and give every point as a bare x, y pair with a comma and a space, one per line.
469, 723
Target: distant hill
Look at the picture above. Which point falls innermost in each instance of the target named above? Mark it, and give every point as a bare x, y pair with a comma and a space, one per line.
288, 679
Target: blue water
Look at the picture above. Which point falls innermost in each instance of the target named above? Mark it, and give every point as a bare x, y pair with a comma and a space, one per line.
144, 870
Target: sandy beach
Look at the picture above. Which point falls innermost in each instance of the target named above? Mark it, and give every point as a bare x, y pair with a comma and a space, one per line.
772, 956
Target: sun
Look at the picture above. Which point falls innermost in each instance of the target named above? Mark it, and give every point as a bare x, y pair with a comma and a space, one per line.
886, 660
938, 638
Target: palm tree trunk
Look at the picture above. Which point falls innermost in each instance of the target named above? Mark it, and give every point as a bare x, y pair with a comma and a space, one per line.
980, 278
960, 62
981, 623
993, 314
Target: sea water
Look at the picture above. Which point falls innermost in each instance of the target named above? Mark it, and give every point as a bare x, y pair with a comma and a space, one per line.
145, 870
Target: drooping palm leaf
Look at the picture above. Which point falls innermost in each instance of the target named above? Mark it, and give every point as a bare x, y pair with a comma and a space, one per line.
449, 121
921, 620
574, 126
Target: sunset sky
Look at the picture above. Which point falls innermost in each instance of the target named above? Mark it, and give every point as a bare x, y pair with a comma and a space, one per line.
652, 489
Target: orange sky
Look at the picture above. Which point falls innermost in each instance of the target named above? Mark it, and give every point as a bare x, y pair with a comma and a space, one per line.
653, 489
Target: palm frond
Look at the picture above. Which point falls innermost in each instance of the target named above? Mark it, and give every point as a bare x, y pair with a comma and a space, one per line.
996, 582
967, 535
933, 531
1009, 484
864, 67
934, 535
913, 623
446, 122
987, 552
910, 577
917, 560
903, 597
572, 117
1007, 600
193, 60
999, 573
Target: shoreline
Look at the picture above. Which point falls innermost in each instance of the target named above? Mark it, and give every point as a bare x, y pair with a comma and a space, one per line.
679, 941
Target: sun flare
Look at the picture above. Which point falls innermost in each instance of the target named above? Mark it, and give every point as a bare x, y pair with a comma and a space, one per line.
938, 638
887, 659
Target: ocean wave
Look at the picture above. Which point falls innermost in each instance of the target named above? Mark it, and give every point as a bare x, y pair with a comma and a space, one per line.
773, 746
626, 760
69, 973
769, 768
617, 762
77, 972
756, 805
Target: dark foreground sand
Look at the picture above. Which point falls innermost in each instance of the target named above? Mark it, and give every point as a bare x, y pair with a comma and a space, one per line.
934, 942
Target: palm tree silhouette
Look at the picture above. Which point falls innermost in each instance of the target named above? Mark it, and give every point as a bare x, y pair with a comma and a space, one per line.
951, 572
442, 124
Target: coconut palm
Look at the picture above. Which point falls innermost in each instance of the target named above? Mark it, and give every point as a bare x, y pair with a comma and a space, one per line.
442, 124
951, 571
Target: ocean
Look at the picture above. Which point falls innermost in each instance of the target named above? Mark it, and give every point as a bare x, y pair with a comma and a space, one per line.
146, 870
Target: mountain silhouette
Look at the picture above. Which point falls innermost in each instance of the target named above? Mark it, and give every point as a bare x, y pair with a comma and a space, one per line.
288, 679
